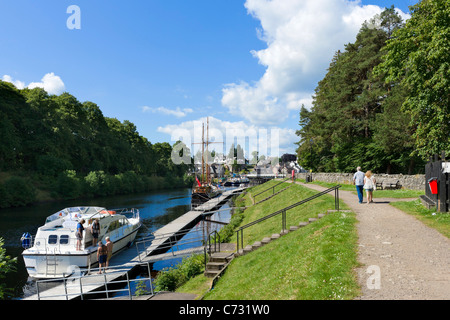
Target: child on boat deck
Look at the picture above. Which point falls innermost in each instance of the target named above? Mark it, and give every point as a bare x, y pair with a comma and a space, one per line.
102, 253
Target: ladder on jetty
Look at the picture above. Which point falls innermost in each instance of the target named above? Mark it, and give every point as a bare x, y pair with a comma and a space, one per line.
80, 285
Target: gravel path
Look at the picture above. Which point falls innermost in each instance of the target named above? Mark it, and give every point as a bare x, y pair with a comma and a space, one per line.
400, 257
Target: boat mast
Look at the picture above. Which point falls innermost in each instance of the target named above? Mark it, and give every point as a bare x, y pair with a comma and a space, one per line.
203, 152
207, 152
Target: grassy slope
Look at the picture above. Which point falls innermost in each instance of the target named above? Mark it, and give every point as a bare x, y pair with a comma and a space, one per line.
314, 262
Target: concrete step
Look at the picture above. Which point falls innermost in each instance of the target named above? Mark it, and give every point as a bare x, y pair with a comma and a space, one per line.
221, 257
211, 273
293, 228
275, 236
257, 244
303, 224
215, 265
266, 240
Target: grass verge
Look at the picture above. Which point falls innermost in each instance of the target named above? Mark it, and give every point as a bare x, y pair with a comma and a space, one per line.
437, 220
315, 262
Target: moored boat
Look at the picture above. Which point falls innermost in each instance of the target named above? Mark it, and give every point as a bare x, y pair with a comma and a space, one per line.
53, 252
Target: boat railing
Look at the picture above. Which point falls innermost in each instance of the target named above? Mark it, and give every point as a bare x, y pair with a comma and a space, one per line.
128, 212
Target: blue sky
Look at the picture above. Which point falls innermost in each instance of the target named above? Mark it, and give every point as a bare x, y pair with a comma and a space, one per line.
165, 65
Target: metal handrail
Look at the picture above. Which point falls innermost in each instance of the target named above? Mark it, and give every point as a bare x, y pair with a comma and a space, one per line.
169, 246
70, 282
273, 187
216, 237
283, 212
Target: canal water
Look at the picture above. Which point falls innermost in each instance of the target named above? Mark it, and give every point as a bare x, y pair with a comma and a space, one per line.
156, 209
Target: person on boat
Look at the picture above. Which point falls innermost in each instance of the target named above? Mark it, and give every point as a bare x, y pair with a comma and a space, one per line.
102, 253
95, 229
79, 233
109, 246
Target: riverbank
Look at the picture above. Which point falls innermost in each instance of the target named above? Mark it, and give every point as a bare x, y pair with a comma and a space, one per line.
303, 264
374, 252
156, 208
19, 189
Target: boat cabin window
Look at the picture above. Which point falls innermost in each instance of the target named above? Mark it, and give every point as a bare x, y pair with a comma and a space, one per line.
64, 239
52, 239
114, 225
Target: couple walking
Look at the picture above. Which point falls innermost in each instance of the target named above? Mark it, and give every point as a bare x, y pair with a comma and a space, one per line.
364, 181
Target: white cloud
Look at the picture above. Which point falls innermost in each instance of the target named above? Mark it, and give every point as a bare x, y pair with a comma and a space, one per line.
17, 83
178, 112
50, 83
270, 141
302, 37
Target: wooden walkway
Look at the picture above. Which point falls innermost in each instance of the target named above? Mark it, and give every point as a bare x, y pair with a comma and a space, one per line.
124, 261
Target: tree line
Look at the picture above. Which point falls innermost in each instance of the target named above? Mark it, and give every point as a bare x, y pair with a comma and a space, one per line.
58, 145
384, 103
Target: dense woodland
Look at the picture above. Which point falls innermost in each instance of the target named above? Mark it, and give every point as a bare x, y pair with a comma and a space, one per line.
384, 103
55, 147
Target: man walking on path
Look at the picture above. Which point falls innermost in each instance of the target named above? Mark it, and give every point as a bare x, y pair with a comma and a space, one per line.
358, 180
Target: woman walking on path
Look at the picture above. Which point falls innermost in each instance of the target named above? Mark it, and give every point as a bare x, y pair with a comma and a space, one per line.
369, 186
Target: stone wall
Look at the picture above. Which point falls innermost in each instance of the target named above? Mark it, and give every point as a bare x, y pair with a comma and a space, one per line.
413, 182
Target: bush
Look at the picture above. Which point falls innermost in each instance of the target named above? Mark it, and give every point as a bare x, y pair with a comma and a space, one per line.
67, 185
227, 232
169, 279
96, 183
4, 197
20, 191
48, 165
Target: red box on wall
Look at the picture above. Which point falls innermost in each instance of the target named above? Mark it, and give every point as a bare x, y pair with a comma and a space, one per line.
433, 185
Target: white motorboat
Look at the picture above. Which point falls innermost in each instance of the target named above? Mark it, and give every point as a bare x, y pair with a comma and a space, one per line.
52, 252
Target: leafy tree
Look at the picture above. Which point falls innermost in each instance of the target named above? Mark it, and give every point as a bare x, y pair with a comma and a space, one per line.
69, 148
7, 265
348, 124
418, 58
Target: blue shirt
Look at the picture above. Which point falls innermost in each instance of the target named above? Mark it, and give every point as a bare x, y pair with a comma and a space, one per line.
359, 178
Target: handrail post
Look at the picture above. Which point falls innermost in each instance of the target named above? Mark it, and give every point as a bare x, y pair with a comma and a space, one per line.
37, 290
65, 288
81, 289
106, 286
150, 277
129, 287
242, 238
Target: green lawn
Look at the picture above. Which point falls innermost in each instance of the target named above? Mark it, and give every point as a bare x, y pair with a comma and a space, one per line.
294, 216
316, 262
313, 263
436, 220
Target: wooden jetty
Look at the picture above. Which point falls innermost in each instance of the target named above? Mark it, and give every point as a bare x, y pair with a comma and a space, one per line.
123, 262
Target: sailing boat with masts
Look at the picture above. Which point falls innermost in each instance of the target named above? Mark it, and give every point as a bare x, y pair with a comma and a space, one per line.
203, 189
